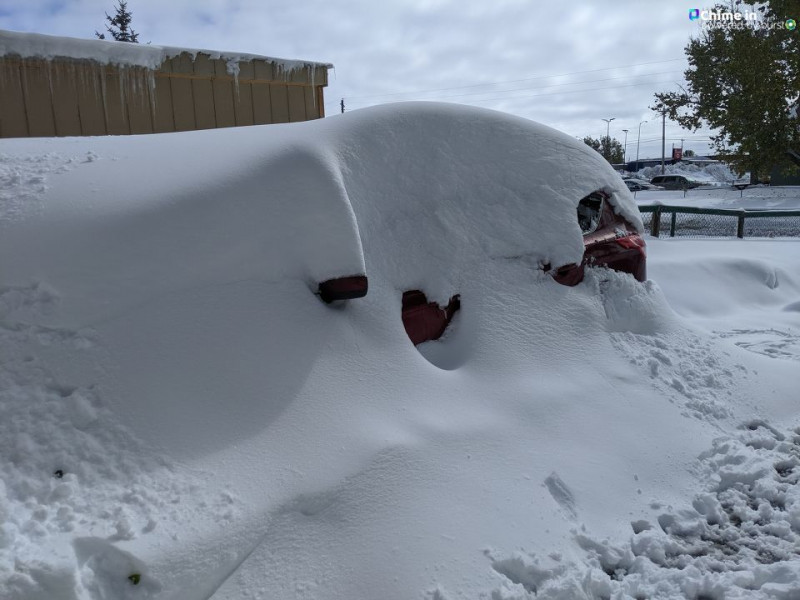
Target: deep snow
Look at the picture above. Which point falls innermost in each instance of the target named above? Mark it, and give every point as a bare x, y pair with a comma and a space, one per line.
177, 404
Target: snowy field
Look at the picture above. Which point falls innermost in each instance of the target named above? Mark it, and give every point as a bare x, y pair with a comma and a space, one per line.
181, 418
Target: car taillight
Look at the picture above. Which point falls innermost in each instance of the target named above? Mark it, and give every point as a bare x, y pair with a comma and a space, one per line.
630, 242
633, 242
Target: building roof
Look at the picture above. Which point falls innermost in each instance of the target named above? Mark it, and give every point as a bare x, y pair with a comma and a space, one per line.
126, 54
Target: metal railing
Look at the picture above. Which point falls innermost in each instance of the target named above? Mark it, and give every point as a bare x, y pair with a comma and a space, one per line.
691, 221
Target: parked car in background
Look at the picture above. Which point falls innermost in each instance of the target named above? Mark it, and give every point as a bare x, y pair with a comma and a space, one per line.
637, 185
675, 182
609, 241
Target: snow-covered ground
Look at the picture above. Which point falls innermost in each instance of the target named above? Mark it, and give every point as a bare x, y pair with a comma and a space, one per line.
181, 418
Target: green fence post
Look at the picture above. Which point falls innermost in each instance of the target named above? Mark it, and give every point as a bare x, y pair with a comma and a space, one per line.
672, 222
655, 224
740, 226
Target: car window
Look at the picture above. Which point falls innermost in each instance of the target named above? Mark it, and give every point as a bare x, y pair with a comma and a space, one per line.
589, 209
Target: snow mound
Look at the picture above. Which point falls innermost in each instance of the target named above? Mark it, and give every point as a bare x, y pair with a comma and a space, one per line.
158, 325
409, 182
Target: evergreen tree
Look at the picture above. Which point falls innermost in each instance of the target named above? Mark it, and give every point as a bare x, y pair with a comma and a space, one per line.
744, 81
610, 148
120, 25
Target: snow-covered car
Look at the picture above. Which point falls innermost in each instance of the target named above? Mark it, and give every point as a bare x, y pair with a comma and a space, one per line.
178, 403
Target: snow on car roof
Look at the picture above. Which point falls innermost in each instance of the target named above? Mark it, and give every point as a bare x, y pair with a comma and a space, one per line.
455, 182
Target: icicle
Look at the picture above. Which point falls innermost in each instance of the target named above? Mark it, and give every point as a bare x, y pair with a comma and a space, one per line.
151, 83
102, 73
313, 70
232, 67
122, 72
49, 71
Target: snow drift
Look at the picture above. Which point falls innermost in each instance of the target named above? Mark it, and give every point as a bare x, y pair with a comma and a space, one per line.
183, 418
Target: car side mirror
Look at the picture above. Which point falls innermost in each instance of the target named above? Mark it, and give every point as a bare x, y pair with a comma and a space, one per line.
343, 288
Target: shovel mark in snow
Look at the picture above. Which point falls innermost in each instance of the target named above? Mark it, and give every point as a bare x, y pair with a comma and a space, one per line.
561, 494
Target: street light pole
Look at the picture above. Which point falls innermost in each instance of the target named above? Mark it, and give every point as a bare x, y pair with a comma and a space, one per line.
638, 139
608, 140
625, 147
663, 139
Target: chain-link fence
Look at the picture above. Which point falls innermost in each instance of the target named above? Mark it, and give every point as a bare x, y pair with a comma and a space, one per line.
690, 221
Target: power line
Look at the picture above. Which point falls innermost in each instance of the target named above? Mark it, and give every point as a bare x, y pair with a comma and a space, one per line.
554, 85
655, 62
523, 97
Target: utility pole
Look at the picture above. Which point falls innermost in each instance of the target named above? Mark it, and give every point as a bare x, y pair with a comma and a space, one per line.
663, 139
625, 147
608, 139
638, 139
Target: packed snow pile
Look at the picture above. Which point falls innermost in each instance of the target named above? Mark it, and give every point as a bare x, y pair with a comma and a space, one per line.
715, 174
182, 417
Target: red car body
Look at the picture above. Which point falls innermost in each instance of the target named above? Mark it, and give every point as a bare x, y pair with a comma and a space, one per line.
425, 320
608, 241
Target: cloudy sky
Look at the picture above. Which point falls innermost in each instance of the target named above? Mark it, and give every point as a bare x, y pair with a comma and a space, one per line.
566, 64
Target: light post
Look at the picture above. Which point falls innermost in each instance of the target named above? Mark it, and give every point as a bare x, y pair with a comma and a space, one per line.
663, 140
625, 147
638, 139
608, 140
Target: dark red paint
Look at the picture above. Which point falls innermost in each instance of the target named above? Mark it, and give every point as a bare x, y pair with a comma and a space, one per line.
343, 288
425, 320
613, 243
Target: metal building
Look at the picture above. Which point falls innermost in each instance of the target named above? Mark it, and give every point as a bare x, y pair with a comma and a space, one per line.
57, 86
